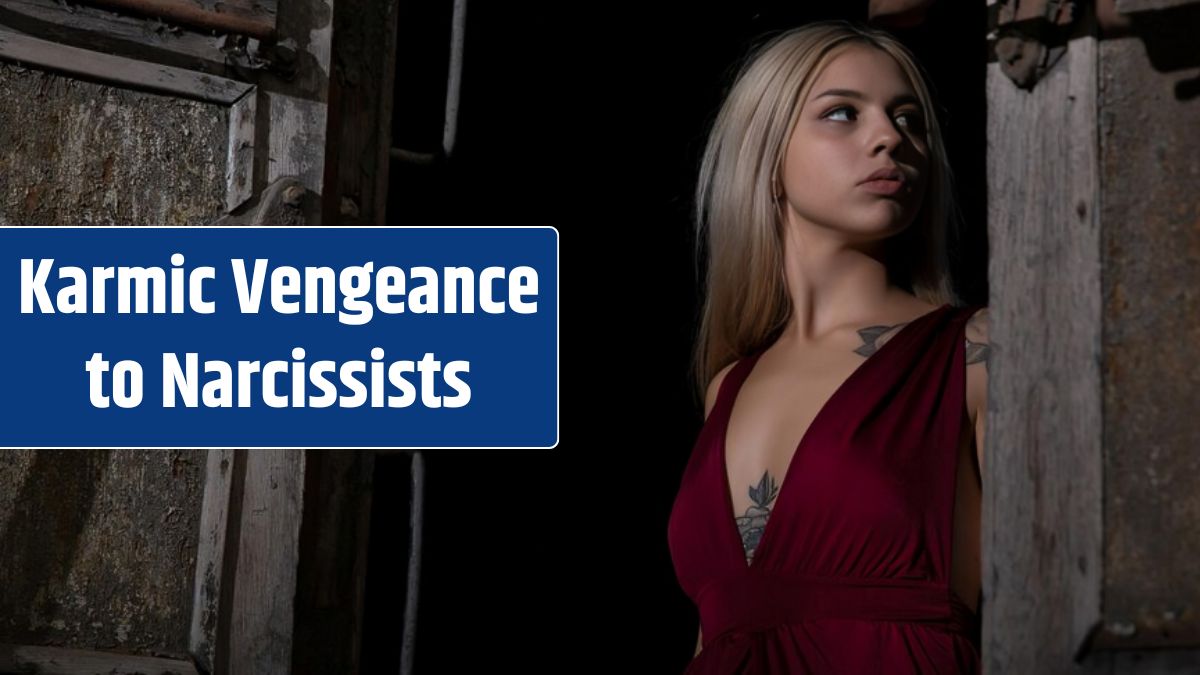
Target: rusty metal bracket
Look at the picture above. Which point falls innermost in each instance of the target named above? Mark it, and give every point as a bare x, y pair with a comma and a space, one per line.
1027, 37
245, 55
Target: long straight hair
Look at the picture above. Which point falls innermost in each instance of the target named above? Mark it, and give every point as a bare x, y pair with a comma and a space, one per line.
746, 301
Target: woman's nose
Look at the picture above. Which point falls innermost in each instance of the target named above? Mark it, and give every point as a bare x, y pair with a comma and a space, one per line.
886, 137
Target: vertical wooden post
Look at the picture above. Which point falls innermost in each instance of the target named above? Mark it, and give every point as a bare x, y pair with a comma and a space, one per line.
1042, 497
360, 113
220, 495
264, 583
1090, 513
333, 561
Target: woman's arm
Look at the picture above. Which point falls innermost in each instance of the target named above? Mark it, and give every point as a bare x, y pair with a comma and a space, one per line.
699, 642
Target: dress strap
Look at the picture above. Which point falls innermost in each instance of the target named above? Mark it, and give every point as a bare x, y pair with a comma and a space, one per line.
733, 382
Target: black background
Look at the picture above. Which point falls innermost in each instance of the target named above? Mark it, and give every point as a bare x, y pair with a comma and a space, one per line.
592, 119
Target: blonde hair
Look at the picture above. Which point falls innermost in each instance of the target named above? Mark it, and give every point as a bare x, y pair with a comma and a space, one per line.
746, 301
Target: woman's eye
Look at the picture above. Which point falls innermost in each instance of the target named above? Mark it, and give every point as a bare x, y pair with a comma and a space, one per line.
843, 114
909, 120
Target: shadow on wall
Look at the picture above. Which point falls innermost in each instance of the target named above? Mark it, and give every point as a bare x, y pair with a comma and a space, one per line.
40, 536
98, 548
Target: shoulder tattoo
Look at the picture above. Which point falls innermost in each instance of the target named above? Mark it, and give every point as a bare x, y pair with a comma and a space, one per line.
979, 348
870, 337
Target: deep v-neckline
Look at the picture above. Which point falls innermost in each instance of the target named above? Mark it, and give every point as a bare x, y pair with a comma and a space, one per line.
838, 392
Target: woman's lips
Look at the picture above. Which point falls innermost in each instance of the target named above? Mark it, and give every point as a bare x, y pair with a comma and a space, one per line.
883, 186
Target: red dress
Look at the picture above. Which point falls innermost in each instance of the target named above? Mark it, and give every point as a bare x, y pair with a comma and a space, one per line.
852, 572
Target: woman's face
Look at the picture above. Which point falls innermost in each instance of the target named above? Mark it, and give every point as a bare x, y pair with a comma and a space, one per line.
861, 116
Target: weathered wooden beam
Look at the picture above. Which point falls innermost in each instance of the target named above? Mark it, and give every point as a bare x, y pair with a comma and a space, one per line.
360, 113
1094, 221
262, 609
219, 474
284, 127
292, 112
119, 70
239, 157
333, 561
99, 30
1043, 564
59, 661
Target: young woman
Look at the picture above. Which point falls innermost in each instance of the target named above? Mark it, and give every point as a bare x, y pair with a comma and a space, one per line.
828, 518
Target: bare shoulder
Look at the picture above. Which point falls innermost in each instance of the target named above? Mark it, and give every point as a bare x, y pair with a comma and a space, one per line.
979, 349
977, 334
714, 387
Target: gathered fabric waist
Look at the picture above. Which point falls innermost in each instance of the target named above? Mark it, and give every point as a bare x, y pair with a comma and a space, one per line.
756, 600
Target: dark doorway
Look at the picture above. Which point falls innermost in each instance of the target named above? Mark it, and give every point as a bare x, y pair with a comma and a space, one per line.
592, 119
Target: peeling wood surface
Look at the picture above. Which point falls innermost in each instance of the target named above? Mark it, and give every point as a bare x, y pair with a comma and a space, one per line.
219, 471
239, 159
292, 114
297, 146
1151, 216
264, 583
58, 661
97, 548
119, 70
1042, 495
